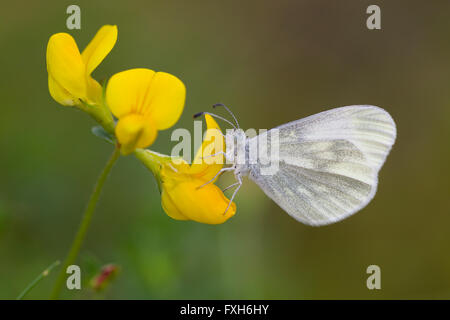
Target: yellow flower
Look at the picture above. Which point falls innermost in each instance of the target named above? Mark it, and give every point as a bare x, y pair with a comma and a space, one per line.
144, 101
185, 191
69, 72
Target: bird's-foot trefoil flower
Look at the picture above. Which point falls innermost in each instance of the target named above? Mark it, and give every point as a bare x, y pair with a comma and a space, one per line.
69, 73
144, 101
188, 191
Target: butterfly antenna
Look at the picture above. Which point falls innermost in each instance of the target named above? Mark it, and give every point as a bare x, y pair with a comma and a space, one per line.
215, 116
229, 111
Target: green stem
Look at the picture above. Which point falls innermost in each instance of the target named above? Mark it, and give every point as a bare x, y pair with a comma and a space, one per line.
85, 222
33, 283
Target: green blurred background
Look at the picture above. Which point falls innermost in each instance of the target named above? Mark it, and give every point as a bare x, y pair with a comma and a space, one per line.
271, 62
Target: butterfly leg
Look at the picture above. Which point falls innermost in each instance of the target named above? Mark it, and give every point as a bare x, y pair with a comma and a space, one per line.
231, 186
234, 193
217, 174
217, 153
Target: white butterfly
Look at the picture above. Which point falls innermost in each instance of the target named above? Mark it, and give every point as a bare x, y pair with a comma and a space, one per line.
328, 163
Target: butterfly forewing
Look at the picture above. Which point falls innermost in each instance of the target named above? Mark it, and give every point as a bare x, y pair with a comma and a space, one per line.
328, 163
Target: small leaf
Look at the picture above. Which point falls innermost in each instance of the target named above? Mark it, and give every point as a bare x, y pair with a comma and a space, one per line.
102, 134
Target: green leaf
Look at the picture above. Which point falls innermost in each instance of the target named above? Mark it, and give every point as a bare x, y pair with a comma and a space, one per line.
102, 134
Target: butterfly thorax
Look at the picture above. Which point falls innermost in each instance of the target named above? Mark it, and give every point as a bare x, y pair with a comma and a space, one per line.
237, 151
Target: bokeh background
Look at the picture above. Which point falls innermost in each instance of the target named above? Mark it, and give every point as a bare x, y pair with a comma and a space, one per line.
271, 62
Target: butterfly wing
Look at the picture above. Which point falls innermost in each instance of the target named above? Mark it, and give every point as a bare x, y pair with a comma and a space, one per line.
328, 163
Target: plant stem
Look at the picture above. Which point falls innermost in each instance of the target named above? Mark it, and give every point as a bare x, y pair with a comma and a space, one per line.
33, 283
85, 222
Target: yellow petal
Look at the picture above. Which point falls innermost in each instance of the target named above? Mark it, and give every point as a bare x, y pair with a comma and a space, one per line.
204, 205
205, 165
127, 91
94, 91
161, 164
159, 96
65, 66
61, 95
166, 98
134, 131
99, 47
181, 197
169, 207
